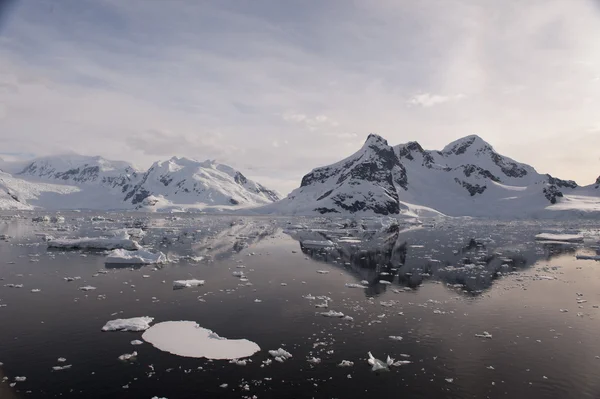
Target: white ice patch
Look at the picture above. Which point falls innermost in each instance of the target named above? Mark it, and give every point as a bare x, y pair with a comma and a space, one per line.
133, 324
140, 257
128, 356
87, 288
188, 339
332, 313
179, 284
559, 237
118, 242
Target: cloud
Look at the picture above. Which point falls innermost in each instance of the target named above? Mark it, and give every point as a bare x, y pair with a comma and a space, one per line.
429, 100
140, 80
314, 123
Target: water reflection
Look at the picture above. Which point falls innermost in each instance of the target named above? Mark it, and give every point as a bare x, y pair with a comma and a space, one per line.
385, 256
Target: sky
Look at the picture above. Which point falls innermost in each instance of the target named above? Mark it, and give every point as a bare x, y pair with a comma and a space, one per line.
276, 88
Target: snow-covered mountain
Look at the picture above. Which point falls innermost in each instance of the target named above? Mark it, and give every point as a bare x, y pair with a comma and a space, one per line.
185, 181
80, 182
82, 170
467, 178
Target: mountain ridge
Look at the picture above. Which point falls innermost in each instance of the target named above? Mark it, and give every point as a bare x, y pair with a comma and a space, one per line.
466, 178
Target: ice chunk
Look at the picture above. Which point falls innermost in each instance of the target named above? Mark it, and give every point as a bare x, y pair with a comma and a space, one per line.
136, 342
588, 257
323, 271
178, 284
559, 237
132, 324
188, 339
379, 365
87, 288
396, 337
128, 356
60, 368
119, 242
346, 363
332, 313
317, 244
281, 354
314, 360
139, 257
352, 285
20, 379
484, 335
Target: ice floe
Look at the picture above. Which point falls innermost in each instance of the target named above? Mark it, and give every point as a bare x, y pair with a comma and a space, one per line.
132, 324
559, 237
188, 339
179, 284
118, 242
139, 257
379, 365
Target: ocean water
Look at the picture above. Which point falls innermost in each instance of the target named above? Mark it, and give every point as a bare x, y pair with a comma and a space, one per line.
439, 285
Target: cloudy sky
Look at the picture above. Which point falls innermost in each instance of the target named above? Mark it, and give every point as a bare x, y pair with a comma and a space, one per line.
275, 88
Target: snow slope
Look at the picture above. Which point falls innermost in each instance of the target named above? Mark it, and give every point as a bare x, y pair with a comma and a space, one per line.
467, 178
182, 181
81, 182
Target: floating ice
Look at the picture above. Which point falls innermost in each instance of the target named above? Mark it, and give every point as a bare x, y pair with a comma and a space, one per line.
87, 288
136, 342
317, 244
20, 379
139, 257
132, 324
484, 335
385, 282
118, 242
314, 360
379, 365
332, 313
188, 339
352, 285
396, 338
559, 237
128, 356
178, 284
60, 368
323, 271
588, 257
346, 363
280, 355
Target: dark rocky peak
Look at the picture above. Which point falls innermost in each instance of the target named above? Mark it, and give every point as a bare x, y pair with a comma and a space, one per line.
598, 182
472, 143
412, 148
553, 181
375, 140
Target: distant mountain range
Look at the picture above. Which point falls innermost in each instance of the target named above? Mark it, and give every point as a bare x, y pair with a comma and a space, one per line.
79, 182
467, 178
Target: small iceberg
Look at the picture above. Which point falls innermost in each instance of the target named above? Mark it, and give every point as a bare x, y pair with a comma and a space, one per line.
332, 313
133, 324
559, 237
179, 284
188, 339
317, 244
128, 356
379, 365
120, 241
280, 355
139, 257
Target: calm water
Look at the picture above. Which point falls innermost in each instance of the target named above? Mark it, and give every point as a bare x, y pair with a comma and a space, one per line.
512, 287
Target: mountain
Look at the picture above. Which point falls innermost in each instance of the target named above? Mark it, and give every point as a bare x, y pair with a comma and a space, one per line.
185, 181
82, 170
466, 178
81, 182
